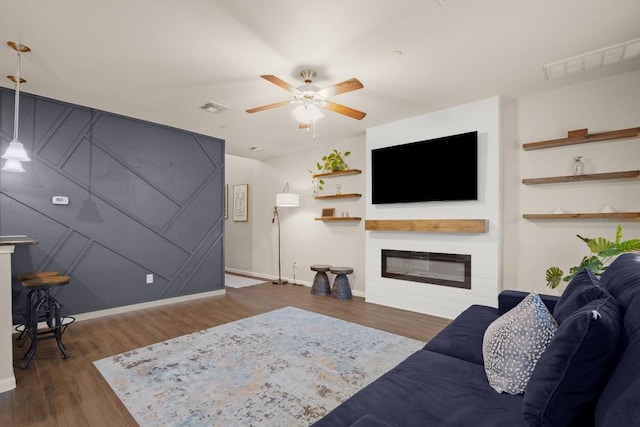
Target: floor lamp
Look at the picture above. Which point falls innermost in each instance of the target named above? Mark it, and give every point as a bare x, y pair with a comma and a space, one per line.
284, 199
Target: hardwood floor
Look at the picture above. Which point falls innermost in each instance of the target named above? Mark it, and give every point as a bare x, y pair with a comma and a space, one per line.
71, 392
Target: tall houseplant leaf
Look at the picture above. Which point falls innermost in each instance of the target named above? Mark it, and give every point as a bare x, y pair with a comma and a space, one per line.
601, 251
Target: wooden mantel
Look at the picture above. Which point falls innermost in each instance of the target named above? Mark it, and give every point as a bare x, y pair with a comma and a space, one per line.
429, 225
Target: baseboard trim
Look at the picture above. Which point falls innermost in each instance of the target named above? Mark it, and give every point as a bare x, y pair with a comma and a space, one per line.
7, 384
289, 279
150, 304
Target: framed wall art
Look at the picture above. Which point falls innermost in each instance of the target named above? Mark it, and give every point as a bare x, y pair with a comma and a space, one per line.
241, 202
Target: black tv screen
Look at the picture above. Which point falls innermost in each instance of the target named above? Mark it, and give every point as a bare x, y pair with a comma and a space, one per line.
441, 169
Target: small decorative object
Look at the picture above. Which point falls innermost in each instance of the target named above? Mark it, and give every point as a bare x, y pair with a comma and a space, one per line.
578, 166
328, 212
338, 187
601, 252
608, 209
241, 202
332, 162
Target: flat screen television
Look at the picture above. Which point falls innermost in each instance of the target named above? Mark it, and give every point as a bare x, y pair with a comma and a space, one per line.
441, 169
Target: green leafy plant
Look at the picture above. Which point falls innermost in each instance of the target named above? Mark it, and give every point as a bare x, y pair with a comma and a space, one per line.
601, 252
332, 162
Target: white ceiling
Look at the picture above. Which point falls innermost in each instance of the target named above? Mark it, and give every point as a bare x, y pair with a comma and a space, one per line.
160, 60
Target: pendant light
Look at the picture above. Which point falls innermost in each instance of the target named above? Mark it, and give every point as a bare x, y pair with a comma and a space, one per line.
15, 152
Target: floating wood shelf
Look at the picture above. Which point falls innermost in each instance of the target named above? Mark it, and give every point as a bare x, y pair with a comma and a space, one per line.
338, 218
581, 136
597, 215
338, 173
429, 225
588, 177
339, 196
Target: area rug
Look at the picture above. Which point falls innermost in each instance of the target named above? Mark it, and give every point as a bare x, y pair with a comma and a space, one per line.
287, 367
233, 281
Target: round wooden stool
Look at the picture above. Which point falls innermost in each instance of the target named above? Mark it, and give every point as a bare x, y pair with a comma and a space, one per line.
321, 280
341, 287
42, 306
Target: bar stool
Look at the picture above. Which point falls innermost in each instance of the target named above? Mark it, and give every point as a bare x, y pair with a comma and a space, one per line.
321, 280
42, 306
341, 287
24, 277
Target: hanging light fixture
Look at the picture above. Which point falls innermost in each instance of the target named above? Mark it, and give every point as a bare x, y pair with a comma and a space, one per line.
15, 152
11, 165
307, 113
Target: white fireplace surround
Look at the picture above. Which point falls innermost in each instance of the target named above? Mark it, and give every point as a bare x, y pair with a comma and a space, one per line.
484, 248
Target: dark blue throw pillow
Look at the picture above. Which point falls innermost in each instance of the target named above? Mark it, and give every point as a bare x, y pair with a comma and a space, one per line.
573, 370
583, 288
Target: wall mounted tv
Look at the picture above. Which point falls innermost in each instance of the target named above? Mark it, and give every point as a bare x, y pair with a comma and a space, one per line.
441, 169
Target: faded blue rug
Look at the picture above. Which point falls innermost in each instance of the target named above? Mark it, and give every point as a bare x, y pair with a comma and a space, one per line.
287, 367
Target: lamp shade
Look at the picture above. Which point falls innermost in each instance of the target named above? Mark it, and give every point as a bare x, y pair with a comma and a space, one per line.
287, 199
16, 151
307, 113
11, 165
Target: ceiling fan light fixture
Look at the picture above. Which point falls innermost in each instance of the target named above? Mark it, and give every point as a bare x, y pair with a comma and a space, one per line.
307, 113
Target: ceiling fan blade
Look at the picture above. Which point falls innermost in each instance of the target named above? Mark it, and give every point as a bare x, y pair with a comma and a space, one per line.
284, 85
338, 88
342, 109
268, 107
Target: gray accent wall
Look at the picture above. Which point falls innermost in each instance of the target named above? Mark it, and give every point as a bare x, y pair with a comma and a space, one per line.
144, 199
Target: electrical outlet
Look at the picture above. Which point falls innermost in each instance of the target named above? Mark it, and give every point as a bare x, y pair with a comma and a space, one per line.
149, 279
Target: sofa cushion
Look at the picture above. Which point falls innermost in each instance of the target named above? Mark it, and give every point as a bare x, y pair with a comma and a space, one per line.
583, 288
573, 370
433, 390
509, 298
462, 338
514, 342
622, 279
619, 403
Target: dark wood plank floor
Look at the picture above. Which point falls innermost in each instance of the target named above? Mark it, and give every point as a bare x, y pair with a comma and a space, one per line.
71, 392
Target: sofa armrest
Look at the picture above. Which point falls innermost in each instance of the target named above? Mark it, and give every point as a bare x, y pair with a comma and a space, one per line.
510, 298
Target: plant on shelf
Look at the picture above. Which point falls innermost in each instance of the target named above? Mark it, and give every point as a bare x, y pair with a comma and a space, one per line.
601, 251
332, 162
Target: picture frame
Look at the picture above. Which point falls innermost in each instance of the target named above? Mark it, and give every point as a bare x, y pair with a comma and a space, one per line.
241, 202
328, 212
226, 201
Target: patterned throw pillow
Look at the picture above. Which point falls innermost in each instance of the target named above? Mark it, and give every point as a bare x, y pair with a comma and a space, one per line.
514, 342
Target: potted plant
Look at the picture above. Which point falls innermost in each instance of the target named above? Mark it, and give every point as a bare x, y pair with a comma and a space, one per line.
601, 252
332, 162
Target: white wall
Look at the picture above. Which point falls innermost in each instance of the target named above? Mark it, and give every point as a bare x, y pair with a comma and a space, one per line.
601, 105
484, 117
238, 236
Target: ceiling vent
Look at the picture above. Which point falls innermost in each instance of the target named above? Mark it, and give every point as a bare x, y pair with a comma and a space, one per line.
592, 60
214, 107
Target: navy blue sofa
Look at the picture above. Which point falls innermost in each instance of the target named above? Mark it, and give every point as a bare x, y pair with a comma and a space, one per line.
445, 384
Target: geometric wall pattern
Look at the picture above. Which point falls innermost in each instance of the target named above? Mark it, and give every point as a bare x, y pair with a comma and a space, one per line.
144, 198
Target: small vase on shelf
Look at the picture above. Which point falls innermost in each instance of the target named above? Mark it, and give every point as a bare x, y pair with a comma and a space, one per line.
578, 166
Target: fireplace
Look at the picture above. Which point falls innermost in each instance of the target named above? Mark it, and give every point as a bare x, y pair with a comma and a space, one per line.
428, 267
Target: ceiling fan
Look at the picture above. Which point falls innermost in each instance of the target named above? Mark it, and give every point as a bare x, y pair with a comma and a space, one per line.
311, 98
